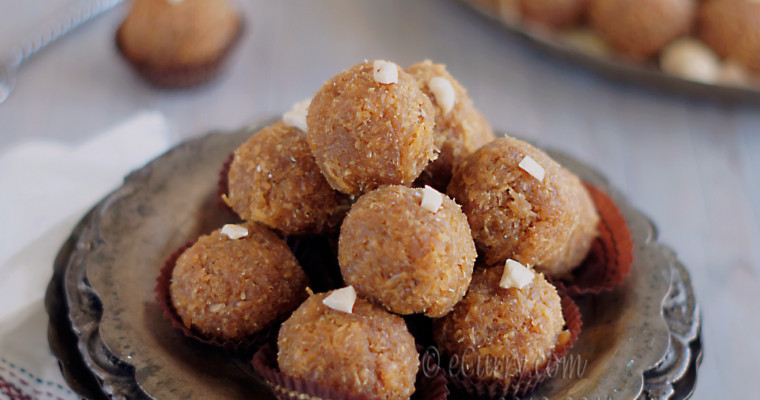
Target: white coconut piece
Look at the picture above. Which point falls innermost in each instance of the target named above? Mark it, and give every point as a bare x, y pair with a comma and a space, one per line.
385, 72
234, 232
341, 299
444, 93
431, 199
516, 275
531, 166
296, 117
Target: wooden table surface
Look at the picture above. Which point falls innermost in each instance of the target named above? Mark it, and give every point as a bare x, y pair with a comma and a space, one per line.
692, 166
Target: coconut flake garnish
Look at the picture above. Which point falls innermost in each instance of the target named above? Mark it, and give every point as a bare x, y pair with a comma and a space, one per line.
296, 117
431, 199
444, 93
532, 167
385, 72
234, 232
516, 275
341, 299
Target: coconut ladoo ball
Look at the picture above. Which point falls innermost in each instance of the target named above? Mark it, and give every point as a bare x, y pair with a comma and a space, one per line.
236, 281
522, 205
274, 179
554, 13
640, 29
367, 351
732, 29
370, 126
520, 327
460, 128
410, 250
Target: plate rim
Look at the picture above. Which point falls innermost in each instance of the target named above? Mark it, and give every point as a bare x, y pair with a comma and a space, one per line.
619, 71
117, 378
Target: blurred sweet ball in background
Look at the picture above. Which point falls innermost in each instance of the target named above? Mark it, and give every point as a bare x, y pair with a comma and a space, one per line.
712, 41
178, 43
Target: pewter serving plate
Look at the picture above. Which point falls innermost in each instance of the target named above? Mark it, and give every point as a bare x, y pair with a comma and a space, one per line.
646, 74
639, 341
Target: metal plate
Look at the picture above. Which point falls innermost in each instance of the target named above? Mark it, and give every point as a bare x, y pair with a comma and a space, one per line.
645, 75
637, 341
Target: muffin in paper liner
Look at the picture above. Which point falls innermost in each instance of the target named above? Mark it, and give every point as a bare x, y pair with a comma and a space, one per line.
223, 186
611, 254
524, 384
430, 383
181, 77
248, 344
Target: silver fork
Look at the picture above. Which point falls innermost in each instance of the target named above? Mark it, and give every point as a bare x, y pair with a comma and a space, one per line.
77, 15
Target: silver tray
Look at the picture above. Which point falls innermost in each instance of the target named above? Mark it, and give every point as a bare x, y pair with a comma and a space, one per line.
641, 340
645, 75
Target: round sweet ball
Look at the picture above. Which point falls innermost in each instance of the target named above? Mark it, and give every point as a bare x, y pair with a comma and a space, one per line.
410, 250
460, 128
371, 125
178, 43
274, 179
228, 286
520, 328
368, 351
554, 13
522, 205
640, 29
692, 59
732, 29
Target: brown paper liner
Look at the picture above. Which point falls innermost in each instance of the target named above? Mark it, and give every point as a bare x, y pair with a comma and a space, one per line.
248, 344
181, 77
526, 383
611, 254
223, 186
430, 383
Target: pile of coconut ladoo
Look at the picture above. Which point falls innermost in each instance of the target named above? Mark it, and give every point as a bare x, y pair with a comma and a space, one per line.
434, 217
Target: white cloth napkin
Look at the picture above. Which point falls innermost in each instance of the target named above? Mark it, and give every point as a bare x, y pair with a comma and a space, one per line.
47, 187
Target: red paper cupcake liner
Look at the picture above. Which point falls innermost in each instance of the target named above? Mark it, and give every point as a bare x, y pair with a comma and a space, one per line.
430, 383
526, 383
163, 281
611, 254
223, 186
181, 77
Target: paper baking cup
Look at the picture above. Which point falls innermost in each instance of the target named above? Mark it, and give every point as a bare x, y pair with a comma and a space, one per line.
611, 254
248, 344
181, 77
524, 384
430, 385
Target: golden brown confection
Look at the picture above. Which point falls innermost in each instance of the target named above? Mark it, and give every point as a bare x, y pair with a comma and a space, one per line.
640, 29
172, 41
230, 289
401, 255
554, 13
458, 131
732, 29
520, 328
274, 179
369, 351
548, 224
365, 134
